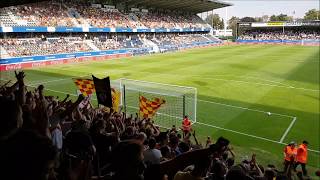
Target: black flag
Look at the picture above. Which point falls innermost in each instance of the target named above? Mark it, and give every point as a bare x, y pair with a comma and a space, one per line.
103, 91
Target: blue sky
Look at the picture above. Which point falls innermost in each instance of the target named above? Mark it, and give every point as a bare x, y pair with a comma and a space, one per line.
254, 8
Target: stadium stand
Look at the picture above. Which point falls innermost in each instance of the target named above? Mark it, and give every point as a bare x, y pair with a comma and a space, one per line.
43, 28
38, 14
18, 47
280, 35
53, 14
36, 46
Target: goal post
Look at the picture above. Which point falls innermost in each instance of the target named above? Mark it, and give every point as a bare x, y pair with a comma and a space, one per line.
179, 100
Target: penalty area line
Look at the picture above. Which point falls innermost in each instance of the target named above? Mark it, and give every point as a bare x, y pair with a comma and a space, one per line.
288, 129
245, 108
249, 135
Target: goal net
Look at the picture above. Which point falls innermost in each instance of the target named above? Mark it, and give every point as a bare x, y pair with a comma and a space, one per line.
179, 100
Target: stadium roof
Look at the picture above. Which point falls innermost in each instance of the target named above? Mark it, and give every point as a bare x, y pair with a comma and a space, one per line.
196, 6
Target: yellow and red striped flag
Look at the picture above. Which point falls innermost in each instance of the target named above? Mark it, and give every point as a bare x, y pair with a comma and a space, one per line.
149, 108
86, 86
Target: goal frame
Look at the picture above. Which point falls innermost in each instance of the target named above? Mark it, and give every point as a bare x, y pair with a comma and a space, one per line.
122, 85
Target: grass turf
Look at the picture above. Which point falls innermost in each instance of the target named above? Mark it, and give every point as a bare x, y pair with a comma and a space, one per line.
269, 78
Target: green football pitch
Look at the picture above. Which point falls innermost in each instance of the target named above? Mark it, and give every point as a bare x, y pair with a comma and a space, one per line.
237, 85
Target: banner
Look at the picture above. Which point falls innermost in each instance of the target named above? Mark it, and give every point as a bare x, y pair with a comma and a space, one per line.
103, 91
149, 108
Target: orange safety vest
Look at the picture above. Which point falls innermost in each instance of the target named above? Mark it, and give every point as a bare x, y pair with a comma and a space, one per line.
302, 154
186, 124
290, 153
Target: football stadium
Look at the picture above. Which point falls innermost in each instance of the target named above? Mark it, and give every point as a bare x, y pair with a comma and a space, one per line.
147, 89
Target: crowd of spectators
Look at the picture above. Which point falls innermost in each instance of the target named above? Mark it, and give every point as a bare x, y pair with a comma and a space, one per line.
281, 35
39, 46
98, 17
177, 41
170, 20
57, 43
47, 137
42, 14
71, 14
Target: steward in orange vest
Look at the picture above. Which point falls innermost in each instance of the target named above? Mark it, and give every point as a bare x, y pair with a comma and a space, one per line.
302, 157
290, 152
186, 126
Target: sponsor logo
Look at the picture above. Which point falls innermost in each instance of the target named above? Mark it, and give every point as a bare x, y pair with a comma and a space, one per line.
56, 62
13, 67
70, 55
275, 23
38, 64
50, 57
27, 59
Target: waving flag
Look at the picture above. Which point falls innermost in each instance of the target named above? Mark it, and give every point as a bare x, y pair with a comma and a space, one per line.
149, 108
86, 86
103, 91
115, 99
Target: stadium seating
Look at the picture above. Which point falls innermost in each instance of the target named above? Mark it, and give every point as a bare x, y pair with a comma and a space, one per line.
36, 46
280, 35
48, 14
17, 47
54, 14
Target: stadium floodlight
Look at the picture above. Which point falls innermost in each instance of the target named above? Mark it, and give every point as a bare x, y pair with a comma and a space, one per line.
179, 100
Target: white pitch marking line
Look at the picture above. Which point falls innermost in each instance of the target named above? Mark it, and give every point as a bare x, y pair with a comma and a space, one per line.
62, 79
209, 125
249, 135
263, 84
56, 80
237, 132
218, 79
239, 107
238, 81
288, 129
212, 102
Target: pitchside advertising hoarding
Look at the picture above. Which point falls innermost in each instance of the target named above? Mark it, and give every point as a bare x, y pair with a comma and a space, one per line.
281, 24
41, 61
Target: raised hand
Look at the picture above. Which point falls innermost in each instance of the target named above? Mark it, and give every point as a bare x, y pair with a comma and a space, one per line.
20, 76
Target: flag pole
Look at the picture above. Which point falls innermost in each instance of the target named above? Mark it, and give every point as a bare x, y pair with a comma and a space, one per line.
139, 105
124, 99
183, 106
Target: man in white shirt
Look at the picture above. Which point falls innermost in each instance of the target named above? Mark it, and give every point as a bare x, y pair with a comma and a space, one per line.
152, 155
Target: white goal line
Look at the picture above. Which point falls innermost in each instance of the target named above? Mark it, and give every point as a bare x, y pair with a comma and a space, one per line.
288, 129
161, 84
